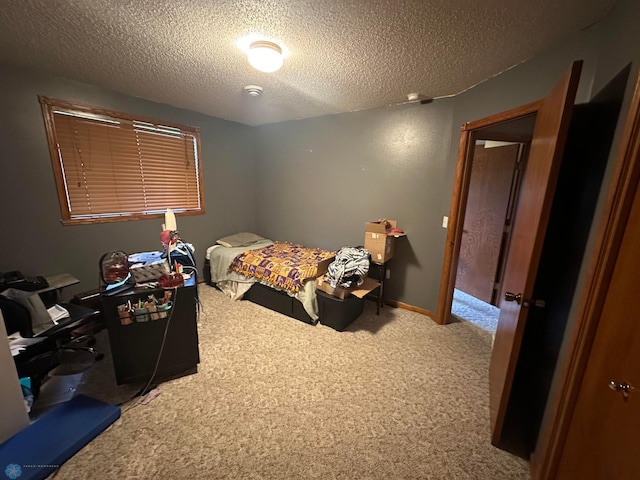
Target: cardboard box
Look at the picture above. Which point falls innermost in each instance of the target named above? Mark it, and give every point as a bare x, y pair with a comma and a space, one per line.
323, 266
367, 287
380, 246
379, 243
378, 227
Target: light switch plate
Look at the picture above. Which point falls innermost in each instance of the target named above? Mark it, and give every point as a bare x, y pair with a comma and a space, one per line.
445, 221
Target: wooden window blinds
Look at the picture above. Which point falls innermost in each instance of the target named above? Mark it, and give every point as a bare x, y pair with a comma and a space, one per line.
110, 166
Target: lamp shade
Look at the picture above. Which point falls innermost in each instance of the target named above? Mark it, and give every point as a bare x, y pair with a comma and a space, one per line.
265, 56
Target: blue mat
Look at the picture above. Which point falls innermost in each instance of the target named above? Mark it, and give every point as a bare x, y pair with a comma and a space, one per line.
38, 450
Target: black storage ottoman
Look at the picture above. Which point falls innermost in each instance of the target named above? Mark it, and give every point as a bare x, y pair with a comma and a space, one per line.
337, 313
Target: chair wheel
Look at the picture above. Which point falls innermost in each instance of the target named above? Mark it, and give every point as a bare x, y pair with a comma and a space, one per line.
99, 357
82, 341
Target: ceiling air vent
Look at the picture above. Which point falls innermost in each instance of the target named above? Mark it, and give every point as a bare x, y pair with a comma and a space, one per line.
253, 90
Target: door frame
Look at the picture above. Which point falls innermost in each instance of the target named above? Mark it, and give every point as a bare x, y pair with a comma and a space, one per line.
468, 132
620, 194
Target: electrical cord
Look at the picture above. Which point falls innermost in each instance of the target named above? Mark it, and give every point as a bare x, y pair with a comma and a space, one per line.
143, 391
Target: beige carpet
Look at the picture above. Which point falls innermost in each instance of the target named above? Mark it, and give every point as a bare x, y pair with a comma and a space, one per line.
393, 397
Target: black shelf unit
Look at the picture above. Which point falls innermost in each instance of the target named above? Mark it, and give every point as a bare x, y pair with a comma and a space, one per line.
135, 347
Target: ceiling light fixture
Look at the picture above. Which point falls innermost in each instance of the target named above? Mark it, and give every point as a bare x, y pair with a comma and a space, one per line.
265, 56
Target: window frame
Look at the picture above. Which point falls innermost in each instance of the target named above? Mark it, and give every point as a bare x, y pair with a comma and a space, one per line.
49, 105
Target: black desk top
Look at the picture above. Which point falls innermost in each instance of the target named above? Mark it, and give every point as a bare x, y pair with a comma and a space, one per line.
78, 314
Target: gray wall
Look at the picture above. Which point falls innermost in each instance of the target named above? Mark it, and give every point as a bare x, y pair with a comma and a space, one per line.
35, 240
322, 178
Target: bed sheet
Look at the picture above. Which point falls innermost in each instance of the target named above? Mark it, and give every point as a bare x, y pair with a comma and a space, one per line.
235, 285
221, 257
285, 265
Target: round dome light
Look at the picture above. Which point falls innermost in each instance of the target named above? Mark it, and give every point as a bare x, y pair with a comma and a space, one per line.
265, 56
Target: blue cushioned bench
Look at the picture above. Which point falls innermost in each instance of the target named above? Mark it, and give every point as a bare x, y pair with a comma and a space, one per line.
38, 450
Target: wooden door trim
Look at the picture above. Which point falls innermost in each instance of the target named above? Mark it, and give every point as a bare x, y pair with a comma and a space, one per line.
504, 117
622, 187
454, 232
505, 137
459, 199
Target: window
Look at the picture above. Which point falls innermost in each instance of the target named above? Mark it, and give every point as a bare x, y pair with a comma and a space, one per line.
110, 166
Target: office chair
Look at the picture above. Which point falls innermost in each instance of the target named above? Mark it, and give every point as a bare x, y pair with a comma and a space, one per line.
58, 346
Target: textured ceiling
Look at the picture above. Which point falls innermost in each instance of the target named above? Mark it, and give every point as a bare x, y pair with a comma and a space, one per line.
341, 55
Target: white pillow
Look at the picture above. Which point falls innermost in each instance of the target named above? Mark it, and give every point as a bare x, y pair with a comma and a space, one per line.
242, 239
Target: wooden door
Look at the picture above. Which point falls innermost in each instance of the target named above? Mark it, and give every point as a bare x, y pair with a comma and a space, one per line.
604, 435
492, 175
536, 197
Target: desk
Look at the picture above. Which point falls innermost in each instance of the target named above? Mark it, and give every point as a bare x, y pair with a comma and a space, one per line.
39, 360
135, 347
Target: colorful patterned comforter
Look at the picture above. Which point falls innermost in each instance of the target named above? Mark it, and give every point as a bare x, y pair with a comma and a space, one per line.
283, 265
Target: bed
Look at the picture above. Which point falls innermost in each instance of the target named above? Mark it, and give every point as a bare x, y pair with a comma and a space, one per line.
278, 275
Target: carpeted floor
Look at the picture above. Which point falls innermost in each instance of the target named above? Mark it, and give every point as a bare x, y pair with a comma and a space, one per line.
394, 397
471, 309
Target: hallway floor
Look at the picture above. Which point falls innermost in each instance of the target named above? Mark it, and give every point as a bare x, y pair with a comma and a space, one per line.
468, 308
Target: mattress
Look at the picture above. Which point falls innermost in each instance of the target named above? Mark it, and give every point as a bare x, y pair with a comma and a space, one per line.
236, 284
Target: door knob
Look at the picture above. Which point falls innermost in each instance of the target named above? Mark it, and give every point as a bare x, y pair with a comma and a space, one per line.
623, 387
513, 297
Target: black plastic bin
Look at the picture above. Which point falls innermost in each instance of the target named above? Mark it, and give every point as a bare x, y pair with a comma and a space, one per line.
336, 313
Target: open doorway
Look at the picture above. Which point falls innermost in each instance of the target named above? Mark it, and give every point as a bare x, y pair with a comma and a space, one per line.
551, 119
497, 165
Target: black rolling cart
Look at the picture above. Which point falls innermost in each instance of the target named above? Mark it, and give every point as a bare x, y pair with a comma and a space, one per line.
145, 324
